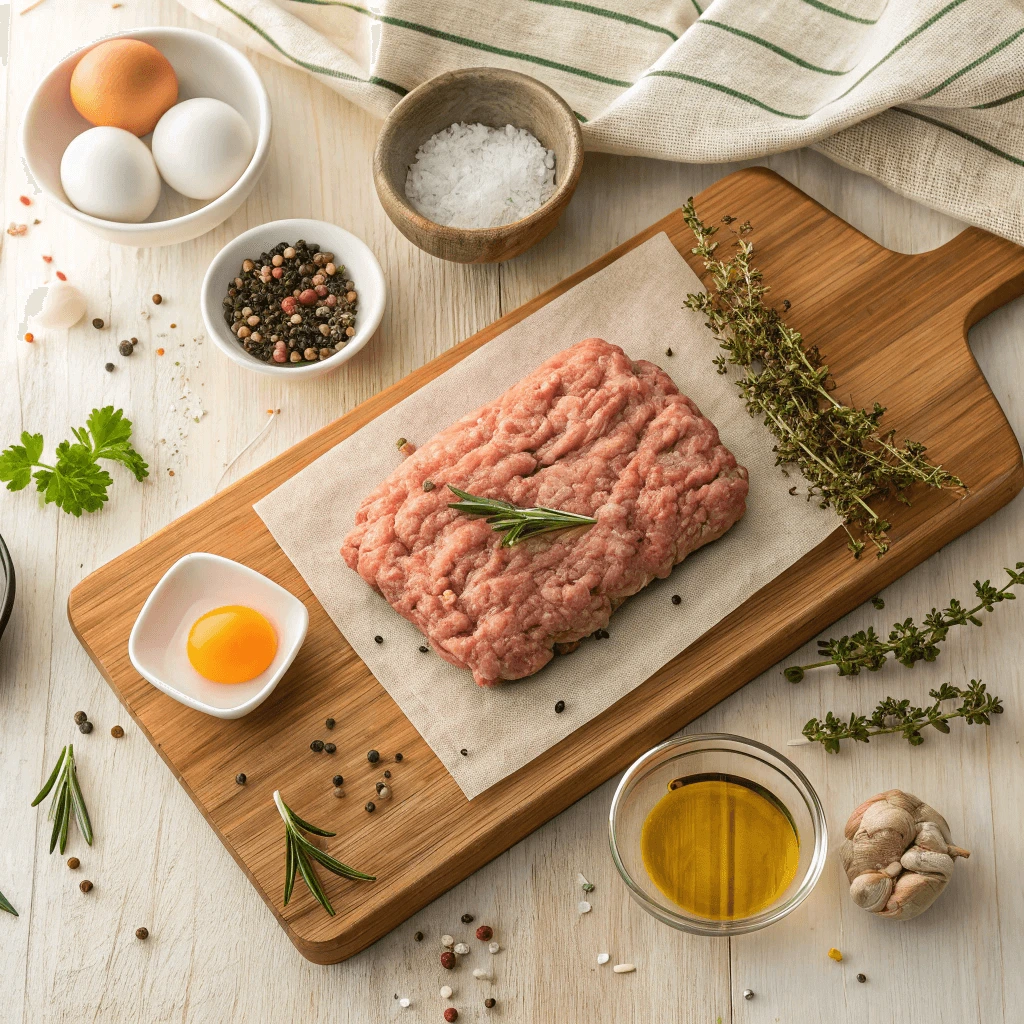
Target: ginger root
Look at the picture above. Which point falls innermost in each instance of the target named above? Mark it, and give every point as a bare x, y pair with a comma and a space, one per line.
897, 855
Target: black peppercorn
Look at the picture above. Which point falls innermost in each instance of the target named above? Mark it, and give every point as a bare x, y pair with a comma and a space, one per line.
424, 649
158, 298
490, 1003
862, 978
109, 367
85, 727
370, 807
134, 341
464, 752
380, 786
387, 775
428, 485
418, 936
372, 756
240, 778
668, 351
317, 745
98, 324
329, 723
330, 748
142, 933
559, 706
676, 599
398, 757
85, 885
378, 639
467, 918
126, 348
338, 780
80, 717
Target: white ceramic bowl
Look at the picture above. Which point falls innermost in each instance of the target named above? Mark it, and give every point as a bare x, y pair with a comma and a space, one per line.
360, 265
197, 584
205, 67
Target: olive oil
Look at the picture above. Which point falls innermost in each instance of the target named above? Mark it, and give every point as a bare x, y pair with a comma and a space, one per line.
720, 846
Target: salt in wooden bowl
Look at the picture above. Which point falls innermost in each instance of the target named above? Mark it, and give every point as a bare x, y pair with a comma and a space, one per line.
490, 96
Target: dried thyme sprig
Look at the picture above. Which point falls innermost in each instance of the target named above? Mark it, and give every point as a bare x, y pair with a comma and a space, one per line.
517, 523
6, 906
66, 797
908, 642
298, 850
847, 459
897, 716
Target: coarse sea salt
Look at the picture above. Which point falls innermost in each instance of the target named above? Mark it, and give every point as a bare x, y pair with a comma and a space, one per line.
474, 176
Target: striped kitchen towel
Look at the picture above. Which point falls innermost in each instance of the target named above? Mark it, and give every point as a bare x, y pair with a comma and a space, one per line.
927, 96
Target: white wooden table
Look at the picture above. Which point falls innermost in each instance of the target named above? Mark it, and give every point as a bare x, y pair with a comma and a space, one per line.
215, 953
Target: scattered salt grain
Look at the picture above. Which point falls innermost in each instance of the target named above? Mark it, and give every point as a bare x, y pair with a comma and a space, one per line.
603, 958
446, 991
447, 941
624, 968
461, 948
473, 176
404, 1003
493, 947
479, 972
583, 907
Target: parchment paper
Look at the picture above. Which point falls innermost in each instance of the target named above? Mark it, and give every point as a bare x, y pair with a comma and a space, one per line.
637, 303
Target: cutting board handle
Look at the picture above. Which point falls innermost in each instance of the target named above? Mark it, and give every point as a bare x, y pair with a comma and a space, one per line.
976, 272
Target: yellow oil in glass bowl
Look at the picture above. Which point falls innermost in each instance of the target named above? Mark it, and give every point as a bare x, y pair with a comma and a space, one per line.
720, 846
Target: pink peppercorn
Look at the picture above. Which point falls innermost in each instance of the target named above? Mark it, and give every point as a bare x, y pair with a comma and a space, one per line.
321, 290
278, 272
451, 1014
484, 933
331, 300
307, 297
288, 305
280, 352
447, 959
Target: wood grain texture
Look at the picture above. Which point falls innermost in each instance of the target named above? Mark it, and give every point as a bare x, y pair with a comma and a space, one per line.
894, 330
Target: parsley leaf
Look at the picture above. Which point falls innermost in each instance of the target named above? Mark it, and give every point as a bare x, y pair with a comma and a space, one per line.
76, 483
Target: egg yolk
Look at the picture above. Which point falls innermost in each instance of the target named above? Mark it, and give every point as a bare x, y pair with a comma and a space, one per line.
232, 644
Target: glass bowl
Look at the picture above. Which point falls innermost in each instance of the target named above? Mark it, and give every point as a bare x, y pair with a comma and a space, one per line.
647, 781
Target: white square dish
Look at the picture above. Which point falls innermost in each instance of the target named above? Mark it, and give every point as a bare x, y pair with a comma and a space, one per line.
194, 585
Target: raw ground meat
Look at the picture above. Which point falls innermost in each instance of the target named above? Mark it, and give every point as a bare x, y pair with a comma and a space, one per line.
589, 431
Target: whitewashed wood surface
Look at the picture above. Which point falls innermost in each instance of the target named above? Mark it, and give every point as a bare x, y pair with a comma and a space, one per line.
215, 952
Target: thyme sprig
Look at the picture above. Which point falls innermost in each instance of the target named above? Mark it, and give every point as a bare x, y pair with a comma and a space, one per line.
67, 797
299, 850
898, 716
6, 906
845, 455
907, 642
516, 523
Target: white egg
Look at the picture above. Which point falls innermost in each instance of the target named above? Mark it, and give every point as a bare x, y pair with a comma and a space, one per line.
201, 147
109, 173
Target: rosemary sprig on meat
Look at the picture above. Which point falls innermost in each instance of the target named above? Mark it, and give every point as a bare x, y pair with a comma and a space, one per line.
898, 716
5, 905
67, 797
846, 457
907, 642
299, 850
516, 523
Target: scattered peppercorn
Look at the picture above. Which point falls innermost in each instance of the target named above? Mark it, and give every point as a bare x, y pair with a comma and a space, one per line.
170, 472
676, 599
109, 367
862, 978
157, 299
559, 706
317, 745
786, 304
428, 485
424, 648
134, 341
80, 717
490, 1003
668, 351
467, 918
174, 325
372, 756
448, 960
878, 603
370, 807
418, 936
126, 348
29, 337
338, 780
378, 639
451, 1015
398, 757
240, 778
338, 792
117, 732
329, 723
159, 351
380, 786
85, 727
97, 323
142, 933
73, 863
329, 748
485, 933
748, 993
464, 752
85, 885
401, 443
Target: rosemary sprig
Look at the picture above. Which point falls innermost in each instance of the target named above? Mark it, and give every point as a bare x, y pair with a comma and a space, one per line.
908, 642
5, 905
898, 716
67, 797
516, 523
299, 850
843, 453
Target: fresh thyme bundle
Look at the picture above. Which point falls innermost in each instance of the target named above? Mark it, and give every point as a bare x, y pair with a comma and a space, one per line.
843, 453
898, 716
907, 642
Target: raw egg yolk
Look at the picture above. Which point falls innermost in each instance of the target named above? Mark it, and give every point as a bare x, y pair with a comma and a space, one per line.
232, 644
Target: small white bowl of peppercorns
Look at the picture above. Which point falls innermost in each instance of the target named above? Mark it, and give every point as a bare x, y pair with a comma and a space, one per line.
293, 297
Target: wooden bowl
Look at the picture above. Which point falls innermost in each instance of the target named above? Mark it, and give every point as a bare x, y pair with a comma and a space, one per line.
490, 96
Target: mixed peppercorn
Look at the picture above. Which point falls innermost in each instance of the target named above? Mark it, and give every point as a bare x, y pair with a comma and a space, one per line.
292, 305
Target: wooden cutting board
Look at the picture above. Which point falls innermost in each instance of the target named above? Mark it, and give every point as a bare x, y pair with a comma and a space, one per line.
893, 329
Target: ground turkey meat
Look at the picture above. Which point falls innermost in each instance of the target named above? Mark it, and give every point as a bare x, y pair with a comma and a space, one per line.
589, 431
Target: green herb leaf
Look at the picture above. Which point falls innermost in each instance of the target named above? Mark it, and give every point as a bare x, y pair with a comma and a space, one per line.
516, 523
111, 439
6, 905
76, 484
66, 797
16, 462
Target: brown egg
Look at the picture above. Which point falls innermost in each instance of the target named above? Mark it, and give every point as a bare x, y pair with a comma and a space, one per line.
124, 83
